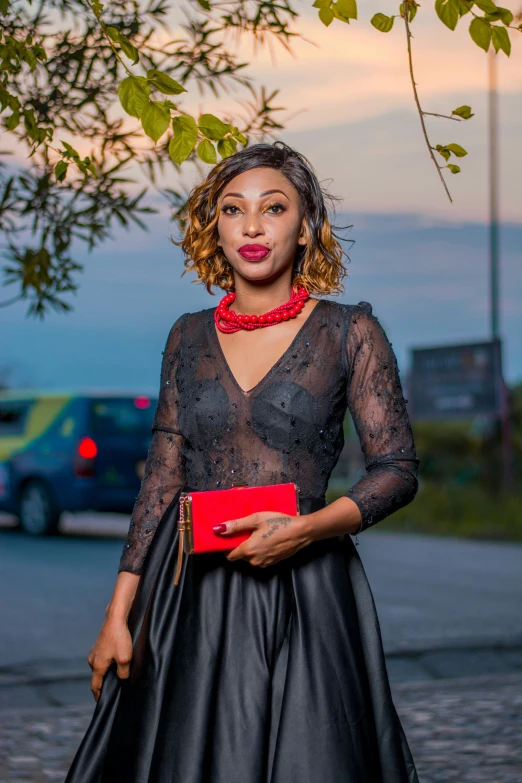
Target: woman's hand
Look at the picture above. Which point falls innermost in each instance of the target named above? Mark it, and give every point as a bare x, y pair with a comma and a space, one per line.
275, 537
114, 643
278, 536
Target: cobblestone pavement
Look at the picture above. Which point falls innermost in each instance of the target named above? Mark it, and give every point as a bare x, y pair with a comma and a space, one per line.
460, 731
464, 731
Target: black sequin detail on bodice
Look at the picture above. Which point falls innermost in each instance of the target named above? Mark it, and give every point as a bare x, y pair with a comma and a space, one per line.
210, 434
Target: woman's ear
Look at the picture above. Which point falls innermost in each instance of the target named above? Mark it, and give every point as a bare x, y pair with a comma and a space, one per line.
303, 234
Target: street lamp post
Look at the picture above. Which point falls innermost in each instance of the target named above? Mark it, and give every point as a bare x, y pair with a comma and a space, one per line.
507, 451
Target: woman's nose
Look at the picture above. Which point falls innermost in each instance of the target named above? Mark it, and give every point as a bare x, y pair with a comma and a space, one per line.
252, 226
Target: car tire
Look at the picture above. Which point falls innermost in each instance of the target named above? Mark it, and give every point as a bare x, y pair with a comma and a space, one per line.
37, 512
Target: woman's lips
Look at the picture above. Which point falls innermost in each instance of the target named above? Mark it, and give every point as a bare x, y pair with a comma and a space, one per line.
254, 252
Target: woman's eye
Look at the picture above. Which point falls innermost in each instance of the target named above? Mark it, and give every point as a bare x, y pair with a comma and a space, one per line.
228, 209
275, 209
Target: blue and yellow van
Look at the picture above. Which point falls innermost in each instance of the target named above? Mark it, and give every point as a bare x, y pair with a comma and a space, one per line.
69, 452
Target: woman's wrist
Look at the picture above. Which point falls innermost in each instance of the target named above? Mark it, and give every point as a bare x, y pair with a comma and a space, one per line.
116, 616
118, 608
336, 519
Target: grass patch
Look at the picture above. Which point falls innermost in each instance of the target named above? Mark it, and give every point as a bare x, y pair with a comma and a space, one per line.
460, 511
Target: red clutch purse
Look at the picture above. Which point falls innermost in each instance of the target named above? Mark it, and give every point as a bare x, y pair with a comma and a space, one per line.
200, 511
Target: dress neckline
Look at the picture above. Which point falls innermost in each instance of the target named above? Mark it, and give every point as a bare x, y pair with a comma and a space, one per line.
298, 334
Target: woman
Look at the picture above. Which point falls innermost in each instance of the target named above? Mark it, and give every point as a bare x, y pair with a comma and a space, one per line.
265, 663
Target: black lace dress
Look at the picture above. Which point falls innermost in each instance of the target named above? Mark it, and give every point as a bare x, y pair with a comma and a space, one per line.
242, 674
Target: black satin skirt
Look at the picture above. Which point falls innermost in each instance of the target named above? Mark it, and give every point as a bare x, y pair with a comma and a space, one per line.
242, 674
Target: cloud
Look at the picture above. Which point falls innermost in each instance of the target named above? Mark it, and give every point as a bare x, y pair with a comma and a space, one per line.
350, 72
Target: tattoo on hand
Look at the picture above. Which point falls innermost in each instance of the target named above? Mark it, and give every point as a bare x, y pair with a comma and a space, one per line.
275, 523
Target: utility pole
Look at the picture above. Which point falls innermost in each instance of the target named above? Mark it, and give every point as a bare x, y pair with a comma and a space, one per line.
507, 450
493, 194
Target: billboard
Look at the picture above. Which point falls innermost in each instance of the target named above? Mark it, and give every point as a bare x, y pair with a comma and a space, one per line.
456, 381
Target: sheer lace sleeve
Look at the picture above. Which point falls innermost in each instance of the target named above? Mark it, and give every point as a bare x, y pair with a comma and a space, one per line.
164, 471
378, 409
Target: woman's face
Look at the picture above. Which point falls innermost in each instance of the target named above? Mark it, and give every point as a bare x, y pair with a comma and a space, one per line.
260, 224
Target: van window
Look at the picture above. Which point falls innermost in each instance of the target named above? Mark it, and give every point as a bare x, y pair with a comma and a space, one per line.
123, 416
13, 416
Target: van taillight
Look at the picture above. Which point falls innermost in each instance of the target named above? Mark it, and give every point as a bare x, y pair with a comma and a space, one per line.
87, 448
84, 463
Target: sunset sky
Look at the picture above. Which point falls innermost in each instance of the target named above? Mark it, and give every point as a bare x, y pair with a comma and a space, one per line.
350, 109
420, 260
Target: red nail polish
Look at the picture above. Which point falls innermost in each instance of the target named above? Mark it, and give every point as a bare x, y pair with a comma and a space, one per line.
219, 528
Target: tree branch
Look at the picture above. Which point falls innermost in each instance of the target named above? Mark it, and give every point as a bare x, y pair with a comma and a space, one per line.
444, 116
417, 102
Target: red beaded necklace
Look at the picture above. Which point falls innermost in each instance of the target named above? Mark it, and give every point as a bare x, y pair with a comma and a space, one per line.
228, 321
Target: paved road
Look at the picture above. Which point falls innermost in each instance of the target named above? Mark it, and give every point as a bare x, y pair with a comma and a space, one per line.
465, 732
432, 590
429, 591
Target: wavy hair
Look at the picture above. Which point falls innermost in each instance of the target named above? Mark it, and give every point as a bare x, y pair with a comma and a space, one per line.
318, 265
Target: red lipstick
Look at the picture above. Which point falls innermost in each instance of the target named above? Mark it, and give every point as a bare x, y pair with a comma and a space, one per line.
254, 252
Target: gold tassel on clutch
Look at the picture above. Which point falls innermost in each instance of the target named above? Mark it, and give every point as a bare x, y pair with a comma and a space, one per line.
182, 527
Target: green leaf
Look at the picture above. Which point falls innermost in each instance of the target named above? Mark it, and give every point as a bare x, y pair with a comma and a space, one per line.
448, 12
61, 170
186, 124
113, 34
155, 120
212, 127
180, 149
338, 15
4, 6
30, 59
129, 50
480, 32
239, 136
207, 152
501, 40
70, 152
412, 11
205, 5
227, 147
97, 8
326, 16
486, 5
465, 7
347, 8
322, 4
464, 112
185, 137
13, 121
453, 168
457, 150
443, 151
133, 93
505, 15
162, 82
501, 14
382, 22
167, 104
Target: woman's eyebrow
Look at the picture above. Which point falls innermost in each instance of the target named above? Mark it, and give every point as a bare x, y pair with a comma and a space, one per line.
276, 190
265, 193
